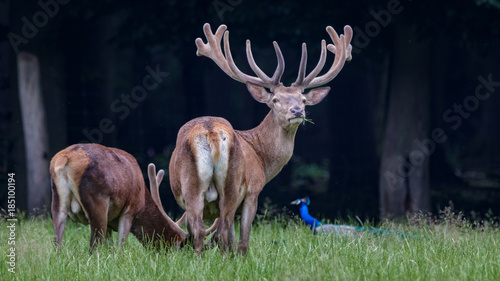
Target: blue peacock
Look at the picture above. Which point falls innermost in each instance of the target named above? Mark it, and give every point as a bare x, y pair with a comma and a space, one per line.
337, 229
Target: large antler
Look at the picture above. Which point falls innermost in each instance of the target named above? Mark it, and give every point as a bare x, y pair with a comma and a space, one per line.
342, 50
212, 49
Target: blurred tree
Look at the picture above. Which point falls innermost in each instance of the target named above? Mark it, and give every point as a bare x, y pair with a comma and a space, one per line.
404, 171
409, 142
35, 131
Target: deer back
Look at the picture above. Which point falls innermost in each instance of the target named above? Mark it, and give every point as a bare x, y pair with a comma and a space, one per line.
84, 173
105, 187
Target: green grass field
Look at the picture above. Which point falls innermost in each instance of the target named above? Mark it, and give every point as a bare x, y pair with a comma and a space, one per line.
451, 249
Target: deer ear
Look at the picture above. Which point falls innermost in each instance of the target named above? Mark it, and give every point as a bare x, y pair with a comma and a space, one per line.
316, 95
258, 93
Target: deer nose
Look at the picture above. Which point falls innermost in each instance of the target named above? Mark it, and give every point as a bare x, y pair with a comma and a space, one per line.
297, 112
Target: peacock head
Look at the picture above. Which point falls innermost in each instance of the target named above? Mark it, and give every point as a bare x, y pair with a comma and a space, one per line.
304, 200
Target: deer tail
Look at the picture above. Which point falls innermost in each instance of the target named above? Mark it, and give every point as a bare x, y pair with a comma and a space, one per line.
58, 165
213, 140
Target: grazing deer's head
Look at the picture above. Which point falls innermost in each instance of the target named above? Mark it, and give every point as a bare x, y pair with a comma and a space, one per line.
287, 103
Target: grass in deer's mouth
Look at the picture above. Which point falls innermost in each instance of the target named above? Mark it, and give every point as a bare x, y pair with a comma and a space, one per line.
304, 120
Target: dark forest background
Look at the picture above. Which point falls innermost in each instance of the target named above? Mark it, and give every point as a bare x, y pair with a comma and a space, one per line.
411, 123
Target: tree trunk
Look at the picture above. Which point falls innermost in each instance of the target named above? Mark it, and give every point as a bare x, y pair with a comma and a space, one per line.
35, 131
404, 175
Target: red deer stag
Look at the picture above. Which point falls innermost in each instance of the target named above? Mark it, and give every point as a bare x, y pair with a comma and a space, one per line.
104, 186
214, 169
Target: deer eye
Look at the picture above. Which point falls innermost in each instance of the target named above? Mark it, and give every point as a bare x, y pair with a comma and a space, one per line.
275, 100
304, 101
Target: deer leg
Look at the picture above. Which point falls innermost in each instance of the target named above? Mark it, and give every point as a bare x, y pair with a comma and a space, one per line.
227, 207
124, 226
231, 236
196, 228
98, 219
194, 220
59, 216
225, 231
97, 233
59, 220
247, 216
109, 237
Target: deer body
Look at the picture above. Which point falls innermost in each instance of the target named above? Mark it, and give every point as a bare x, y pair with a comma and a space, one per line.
216, 170
222, 158
104, 187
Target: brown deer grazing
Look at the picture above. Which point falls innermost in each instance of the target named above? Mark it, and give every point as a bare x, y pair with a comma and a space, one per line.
214, 169
104, 186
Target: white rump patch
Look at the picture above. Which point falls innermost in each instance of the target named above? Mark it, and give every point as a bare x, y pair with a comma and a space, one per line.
204, 162
67, 191
212, 176
220, 169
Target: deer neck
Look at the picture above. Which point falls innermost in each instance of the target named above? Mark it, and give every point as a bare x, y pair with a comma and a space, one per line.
272, 143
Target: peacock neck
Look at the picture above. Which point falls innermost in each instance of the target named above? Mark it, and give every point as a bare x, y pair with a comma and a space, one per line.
308, 219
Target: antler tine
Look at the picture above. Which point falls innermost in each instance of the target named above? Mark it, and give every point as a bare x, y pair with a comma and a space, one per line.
253, 65
212, 40
340, 50
275, 80
302, 66
348, 37
281, 65
212, 49
154, 185
159, 177
242, 76
315, 71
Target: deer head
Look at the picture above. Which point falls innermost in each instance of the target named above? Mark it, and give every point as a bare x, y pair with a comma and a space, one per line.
287, 103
